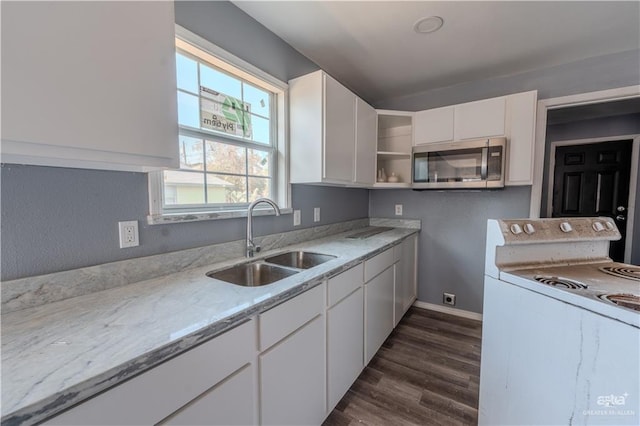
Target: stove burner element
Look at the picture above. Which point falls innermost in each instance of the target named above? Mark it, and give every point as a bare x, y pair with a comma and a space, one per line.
628, 272
560, 282
629, 301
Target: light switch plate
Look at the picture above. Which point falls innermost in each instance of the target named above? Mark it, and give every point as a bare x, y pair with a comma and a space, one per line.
316, 214
296, 217
398, 209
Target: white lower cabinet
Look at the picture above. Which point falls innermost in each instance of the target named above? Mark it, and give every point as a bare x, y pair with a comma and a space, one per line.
170, 388
408, 262
293, 377
378, 296
231, 402
293, 361
345, 342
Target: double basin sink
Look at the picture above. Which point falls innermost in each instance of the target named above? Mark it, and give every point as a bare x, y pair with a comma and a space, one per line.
271, 269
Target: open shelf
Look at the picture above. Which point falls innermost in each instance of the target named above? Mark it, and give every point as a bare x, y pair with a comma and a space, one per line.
395, 139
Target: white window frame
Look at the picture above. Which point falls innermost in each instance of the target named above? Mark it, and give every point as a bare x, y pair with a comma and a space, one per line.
190, 42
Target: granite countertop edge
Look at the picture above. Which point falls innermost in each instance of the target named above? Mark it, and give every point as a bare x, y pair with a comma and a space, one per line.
57, 402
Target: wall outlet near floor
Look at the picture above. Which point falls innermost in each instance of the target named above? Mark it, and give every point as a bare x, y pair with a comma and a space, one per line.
316, 214
129, 234
449, 299
398, 209
296, 217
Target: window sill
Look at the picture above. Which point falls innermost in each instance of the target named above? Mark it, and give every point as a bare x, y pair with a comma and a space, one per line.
169, 218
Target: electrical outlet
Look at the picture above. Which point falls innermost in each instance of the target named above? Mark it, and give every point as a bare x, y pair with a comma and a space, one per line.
449, 299
129, 234
398, 209
296, 217
316, 214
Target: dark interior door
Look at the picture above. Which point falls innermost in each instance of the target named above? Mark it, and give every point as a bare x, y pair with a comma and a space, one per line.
593, 180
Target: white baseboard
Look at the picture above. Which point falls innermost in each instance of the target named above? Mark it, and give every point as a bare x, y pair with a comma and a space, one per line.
447, 310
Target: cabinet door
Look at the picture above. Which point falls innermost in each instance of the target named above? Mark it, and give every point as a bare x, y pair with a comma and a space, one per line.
339, 132
293, 378
378, 312
232, 402
345, 344
366, 142
480, 119
89, 84
521, 123
399, 292
433, 125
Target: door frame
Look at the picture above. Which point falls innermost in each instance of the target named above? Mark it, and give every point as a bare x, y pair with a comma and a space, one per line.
633, 179
545, 105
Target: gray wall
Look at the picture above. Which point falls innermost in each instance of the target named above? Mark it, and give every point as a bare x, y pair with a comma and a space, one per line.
599, 73
452, 242
56, 219
628, 124
454, 223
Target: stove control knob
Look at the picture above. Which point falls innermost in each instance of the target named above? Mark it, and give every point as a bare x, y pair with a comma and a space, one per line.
609, 226
566, 227
529, 229
515, 229
598, 226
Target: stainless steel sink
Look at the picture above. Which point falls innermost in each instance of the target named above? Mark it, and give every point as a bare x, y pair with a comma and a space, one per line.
300, 259
252, 274
369, 231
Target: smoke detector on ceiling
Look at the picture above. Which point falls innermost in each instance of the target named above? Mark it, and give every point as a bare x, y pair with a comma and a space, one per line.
428, 25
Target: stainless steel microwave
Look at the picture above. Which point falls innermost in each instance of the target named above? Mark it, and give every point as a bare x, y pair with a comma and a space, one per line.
455, 165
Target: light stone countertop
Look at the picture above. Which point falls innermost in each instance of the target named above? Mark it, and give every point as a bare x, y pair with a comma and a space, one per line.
58, 354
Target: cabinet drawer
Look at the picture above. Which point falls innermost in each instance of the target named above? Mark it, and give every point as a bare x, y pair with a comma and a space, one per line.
284, 319
341, 285
377, 264
231, 402
153, 395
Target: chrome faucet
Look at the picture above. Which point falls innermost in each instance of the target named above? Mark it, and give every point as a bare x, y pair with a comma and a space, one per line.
251, 246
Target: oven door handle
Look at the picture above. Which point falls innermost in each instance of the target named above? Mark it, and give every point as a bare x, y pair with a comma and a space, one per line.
485, 161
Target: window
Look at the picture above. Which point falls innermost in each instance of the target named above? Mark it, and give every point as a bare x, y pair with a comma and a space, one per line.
231, 134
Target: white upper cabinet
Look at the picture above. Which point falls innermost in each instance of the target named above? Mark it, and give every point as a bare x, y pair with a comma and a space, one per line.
433, 125
512, 116
479, 119
333, 133
521, 125
365, 156
339, 131
89, 84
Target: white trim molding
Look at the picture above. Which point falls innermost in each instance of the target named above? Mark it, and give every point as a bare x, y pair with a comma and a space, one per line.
447, 310
541, 130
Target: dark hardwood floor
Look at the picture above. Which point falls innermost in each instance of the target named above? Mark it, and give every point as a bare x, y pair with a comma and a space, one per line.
426, 373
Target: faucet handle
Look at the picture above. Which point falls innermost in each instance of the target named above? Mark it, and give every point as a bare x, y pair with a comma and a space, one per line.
257, 249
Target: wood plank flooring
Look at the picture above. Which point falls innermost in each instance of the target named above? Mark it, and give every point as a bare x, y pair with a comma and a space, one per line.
426, 373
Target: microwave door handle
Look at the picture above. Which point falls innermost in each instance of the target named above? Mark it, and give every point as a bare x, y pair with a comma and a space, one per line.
485, 160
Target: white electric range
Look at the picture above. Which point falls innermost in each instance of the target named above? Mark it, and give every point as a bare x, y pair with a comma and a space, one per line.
561, 325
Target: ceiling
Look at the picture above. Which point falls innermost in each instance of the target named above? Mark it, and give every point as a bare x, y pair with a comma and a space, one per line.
371, 46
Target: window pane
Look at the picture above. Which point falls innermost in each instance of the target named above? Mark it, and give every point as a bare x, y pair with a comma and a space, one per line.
260, 127
259, 163
191, 155
219, 82
188, 110
223, 114
259, 187
186, 73
222, 157
183, 188
226, 189
258, 99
